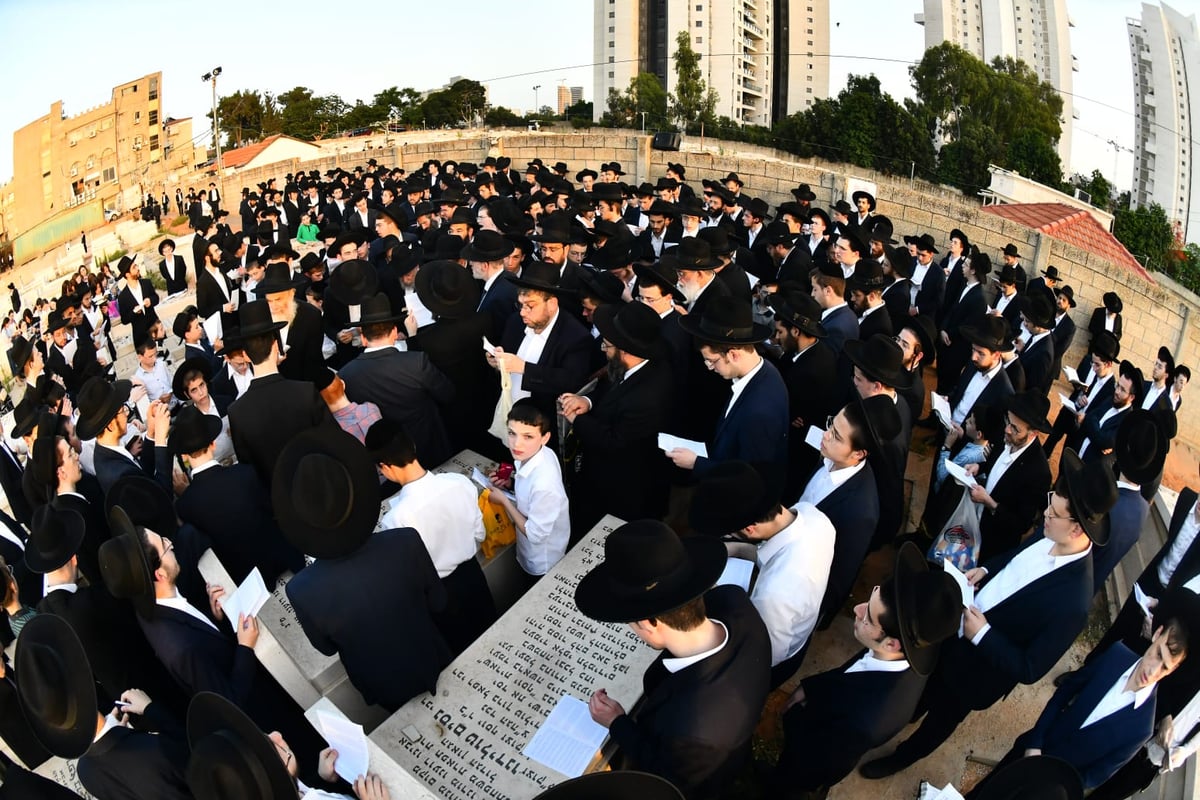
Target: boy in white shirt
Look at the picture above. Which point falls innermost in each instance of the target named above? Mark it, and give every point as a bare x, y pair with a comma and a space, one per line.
541, 513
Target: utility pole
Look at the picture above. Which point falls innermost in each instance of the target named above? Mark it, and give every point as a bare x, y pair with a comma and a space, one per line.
216, 127
536, 107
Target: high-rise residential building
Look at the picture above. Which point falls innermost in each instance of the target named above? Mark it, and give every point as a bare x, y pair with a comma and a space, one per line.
564, 99
113, 152
1165, 47
576, 94
765, 59
1037, 32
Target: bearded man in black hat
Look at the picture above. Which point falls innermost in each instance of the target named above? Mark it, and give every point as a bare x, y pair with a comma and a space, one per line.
1098, 431
617, 425
300, 332
1033, 602
834, 717
216, 295
1095, 397
968, 308
1012, 258
928, 281
703, 696
137, 300
1037, 354
866, 286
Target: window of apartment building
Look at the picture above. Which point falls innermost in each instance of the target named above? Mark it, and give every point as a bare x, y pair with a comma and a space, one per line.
611, 75
110, 174
699, 40
611, 59
153, 116
612, 44
612, 15
137, 142
699, 23
154, 142
137, 117
612, 28
809, 90
91, 162
154, 88
700, 8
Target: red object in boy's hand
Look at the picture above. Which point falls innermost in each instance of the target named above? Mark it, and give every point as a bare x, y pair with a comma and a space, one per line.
504, 471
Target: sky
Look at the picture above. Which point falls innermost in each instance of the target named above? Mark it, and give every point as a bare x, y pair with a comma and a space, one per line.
77, 51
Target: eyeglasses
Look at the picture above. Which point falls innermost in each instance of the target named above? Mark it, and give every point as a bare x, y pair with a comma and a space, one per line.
530, 305
712, 362
168, 545
1012, 426
1048, 513
649, 300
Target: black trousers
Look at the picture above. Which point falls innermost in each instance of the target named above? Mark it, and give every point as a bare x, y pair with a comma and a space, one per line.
1128, 780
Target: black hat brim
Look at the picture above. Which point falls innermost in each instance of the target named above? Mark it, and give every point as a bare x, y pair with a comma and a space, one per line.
201, 363
52, 632
1030, 772
43, 561
975, 337
650, 273
605, 321
538, 286
234, 734
910, 562
91, 424
618, 783
857, 355
596, 599
463, 306
692, 324
123, 564
1137, 473
1071, 466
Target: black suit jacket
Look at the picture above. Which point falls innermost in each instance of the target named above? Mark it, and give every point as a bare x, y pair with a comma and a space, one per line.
83, 364
384, 631
843, 717
929, 296
898, 297
563, 365
795, 267
1038, 361
174, 274
755, 429
408, 389
454, 346
304, 360
140, 321
233, 509
129, 764
1096, 323
499, 303
840, 326
264, 419
997, 391
875, 322
153, 462
199, 657
1021, 497
11, 473
209, 297
1189, 565
810, 400
1101, 436
1062, 335
693, 726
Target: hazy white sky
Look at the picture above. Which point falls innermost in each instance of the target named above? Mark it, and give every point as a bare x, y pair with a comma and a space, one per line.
77, 51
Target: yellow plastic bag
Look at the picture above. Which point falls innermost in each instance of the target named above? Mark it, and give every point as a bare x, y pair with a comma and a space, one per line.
497, 525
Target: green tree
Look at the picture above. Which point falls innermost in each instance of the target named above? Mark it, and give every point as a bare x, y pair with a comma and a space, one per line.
1146, 232
246, 116
1097, 186
1033, 155
692, 103
579, 111
396, 103
501, 117
458, 104
644, 93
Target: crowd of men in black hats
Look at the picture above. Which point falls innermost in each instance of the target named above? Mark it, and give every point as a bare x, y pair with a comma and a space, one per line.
561, 327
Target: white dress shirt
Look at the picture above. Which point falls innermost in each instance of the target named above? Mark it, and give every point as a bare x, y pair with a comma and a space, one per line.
1117, 698
793, 569
1004, 461
1183, 540
739, 385
444, 510
538, 485
180, 603
979, 382
1152, 395
1003, 300
918, 277
1181, 726
530, 351
825, 480
828, 311
870, 663
1025, 567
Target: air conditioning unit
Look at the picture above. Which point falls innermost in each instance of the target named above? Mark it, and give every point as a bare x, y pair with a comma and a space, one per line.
92, 133
74, 171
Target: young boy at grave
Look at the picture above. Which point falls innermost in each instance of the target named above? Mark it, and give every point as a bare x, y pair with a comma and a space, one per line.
540, 513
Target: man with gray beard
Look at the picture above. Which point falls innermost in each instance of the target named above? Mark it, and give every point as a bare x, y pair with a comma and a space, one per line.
617, 425
301, 337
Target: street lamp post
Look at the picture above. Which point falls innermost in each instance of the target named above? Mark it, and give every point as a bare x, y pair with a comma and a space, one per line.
216, 127
536, 108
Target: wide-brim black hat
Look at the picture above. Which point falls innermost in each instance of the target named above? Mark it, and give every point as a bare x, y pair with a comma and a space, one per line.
925, 243
798, 309
1105, 345
254, 319
1037, 309
25, 416
353, 281
1141, 447
714, 510
200, 363
1067, 292
231, 758
541, 276
278, 277
1039, 777
487, 246
803, 193
900, 260
1113, 303
193, 430
144, 501
868, 276
325, 492
123, 564
726, 320
925, 330
57, 691
881, 359
20, 353
1011, 250
657, 274
928, 607
607, 785
55, 536
860, 194
447, 289
1052, 273
648, 570
991, 333
881, 418
1092, 491
377, 310
98, 402
695, 254
1032, 408
631, 327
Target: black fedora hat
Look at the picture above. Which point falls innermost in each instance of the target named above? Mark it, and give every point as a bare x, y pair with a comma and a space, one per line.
584, 173
925, 243
733, 176
541, 276
1037, 309
925, 330
377, 310
126, 262
803, 193
1011, 250
1032, 408
55, 536
928, 607
881, 230
1140, 449
991, 333
758, 207
98, 402
962, 237
25, 415
730, 496
57, 691
487, 246
648, 570
631, 327
798, 309
165, 243
777, 233
353, 282
1052, 273
144, 501
200, 363
123, 564
610, 192
449, 247
1039, 777
860, 195
1113, 303
325, 492
254, 319
20, 353
192, 430
678, 169
1092, 492
900, 260
695, 254
278, 277
447, 288
664, 183
1106, 346
718, 240
604, 287
868, 276
662, 208
692, 207
607, 785
662, 274
842, 207
231, 758
881, 418
881, 359
726, 320
980, 263
1067, 292
1007, 275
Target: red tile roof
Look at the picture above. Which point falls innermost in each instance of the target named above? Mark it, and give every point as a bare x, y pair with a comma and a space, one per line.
242, 156
1072, 225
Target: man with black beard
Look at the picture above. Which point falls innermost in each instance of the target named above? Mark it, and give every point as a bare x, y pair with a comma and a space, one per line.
617, 425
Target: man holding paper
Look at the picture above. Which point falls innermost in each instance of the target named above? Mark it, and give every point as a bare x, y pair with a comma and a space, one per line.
1093, 398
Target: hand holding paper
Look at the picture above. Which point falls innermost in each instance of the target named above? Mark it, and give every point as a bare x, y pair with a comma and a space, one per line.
941, 407
737, 573
348, 740
1072, 376
959, 474
248, 599
1067, 403
968, 591
667, 443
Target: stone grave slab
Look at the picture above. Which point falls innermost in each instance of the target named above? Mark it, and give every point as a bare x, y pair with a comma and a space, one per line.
64, 772
465, 741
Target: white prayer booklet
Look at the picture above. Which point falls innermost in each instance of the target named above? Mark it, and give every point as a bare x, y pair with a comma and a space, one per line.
667, 443
1143, 600
568, 739
941, 407
813, 437
1073, 376
481, 479
968, 591
928, 791
737, 573
247, 599
488, 346
959, 474
1067, 403
350, 742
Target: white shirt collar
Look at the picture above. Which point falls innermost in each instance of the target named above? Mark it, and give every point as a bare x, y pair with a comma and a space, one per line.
872, 663
828, 311
677, 664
